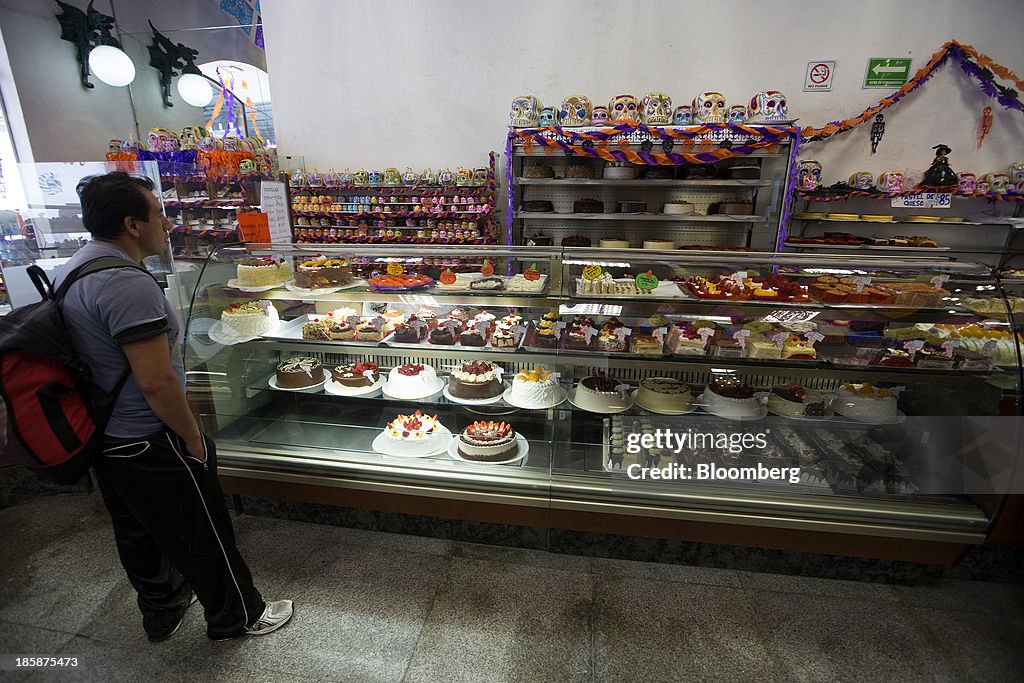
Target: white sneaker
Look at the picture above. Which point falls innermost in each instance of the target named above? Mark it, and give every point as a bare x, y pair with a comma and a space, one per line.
276, 615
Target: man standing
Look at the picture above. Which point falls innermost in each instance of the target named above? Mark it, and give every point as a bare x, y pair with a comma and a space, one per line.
157, 471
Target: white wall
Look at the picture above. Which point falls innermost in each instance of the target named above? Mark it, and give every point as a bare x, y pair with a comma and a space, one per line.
393, 82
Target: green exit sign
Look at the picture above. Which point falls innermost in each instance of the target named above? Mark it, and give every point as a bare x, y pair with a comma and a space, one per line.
887, 72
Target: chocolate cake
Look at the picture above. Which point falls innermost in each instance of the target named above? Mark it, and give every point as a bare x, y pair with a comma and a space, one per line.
538, 206
576, 241
588, 206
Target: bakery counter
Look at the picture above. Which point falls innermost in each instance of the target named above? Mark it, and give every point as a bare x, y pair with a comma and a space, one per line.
677, 218
423, 297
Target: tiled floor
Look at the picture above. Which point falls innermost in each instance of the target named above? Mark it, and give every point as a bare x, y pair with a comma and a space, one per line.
381, 607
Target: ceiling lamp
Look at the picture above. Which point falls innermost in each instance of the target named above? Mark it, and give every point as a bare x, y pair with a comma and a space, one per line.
95, 47
170, 59
195, 89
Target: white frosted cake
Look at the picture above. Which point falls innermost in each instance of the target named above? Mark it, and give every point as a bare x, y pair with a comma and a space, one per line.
597, 393
730, 397
664, 394
793, 400
679, 208
664, 245
535, 389
620, 172
415, 434
613, 244
412, 380
249, 319
262, 271
865, 403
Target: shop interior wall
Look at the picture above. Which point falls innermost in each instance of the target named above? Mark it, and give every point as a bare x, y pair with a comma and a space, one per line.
67, 122
394, 82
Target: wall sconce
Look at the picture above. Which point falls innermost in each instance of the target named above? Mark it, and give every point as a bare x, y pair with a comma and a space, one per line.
95, 47
169, 58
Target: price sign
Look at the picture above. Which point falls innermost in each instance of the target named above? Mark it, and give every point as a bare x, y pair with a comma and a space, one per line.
395, 269
939, 280
352, 320
950, 346
623, 389
370, 375
925, 200
780, 338
378, 323
861, 283
739, 277
484, 326
592, 272
623, 331
914, 345
274, 202
647, 282
488, 268
254, 227
706, 333
741, 337
904, 332
499, 371
519, 330
417, 324
814, 337
659, 333
590, 332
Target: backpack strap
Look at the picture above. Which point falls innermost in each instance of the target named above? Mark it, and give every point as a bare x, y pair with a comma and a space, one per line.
88, 268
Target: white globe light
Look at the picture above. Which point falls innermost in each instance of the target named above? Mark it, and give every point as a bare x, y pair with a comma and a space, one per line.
195, 90
111, 65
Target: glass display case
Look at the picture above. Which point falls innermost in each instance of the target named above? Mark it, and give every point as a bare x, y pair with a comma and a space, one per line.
862, 396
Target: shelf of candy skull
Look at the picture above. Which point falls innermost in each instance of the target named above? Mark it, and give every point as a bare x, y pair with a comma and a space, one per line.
196, 152
369, 207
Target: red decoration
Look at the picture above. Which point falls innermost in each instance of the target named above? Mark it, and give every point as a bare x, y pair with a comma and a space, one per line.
447, 277
985, 126
488, 269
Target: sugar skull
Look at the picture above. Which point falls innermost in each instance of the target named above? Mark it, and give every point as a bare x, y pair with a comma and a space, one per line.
683, 115
862, 180
624, 109
191, 135
1016, 172
247, 166
967, 182
209, 144
891, 181
808, 174
575, 111
409, 178
737, 114
375, 179
114, 146
172, 143
768, 106
445, 177
345, 177
428, 177
983, 186
157, 139
656, 109
548, 117
361, 178
525, 112
392, 178
314, 179
332, 178
998, 182
232, 144
464, 177
709, 107
480, 176
599, 117
253, 144
130, 146
298, 178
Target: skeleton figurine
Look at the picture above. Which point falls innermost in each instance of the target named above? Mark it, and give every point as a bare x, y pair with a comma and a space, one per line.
428, 177
967, 182
131, 145
576, 111
172, 143
768, 106
808, 174
939, 174
548, 117
891, 181
624, 109
191, 135
525, 112
656, 109
877, 131
683, 115
709, 107
599, 117
114, 146
298, 178
446, 178
737, 114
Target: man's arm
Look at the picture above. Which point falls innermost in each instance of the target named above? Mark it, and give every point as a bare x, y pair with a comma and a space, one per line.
151, 368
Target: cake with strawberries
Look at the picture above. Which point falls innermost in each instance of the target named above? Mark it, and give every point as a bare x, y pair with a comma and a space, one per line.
476, 380
488, 442
248, 319
731, 397
413, 380
356, 375
415, 434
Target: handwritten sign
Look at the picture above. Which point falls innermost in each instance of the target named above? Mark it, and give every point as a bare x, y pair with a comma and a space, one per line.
274, 202
939, 280
925, 200
254, 228
647, 282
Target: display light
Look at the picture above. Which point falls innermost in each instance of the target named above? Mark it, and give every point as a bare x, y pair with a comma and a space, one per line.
195, 89
95, 47
111, 65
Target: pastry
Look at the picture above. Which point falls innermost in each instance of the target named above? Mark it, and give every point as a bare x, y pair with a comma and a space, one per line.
683, 340
579, 170
473, 337
520, 283
865, 403
798, 349
356, 375
664, 394
538, 206
491, 284
744, 171
793, 400
488, 442
734, 207
407, 333
614, 244
632, 207
412, 380
299, 372
665, 245
731, 397
315, 329
248, 319
598, 394
588, 206
538, 171
367, 331
475, 380
262, 271
645, 344
680, 208
619, 171
415, 434
535, 388
441, 336
340, 330
321, 272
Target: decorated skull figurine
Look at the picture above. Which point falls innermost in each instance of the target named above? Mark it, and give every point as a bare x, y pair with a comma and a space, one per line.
445, 177
392, 178
464, 177
737, 114
428, 177
131, 145
409, 178
998, 182
709, 107
768, 106
891, 181
247, 166
808, 174
1016, 172
525, 112
315, 179
375, 179
862, 180
656, 109
575, 111
191, 135
232, 144
332, 178
157, 139
683, 115
983, 186
298, 178
480, 176
345, 178
548, 117
361, 178
967, 182
114, 146
172, 143
624, 109
599, 117
209, 144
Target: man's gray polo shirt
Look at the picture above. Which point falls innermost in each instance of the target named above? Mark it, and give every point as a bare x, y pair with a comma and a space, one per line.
106, 310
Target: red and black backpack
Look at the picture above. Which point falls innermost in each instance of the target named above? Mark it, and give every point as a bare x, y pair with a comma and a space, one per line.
56, 414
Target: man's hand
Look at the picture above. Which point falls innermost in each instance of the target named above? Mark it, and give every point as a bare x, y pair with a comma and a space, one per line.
197, 448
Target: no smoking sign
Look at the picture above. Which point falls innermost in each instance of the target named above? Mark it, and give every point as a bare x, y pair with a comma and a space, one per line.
819, 75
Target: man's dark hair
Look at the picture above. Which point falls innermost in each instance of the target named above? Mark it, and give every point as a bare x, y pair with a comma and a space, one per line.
108, 199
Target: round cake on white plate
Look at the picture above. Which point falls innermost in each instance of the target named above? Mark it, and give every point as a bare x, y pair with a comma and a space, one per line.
598, 394
793, 400
415, 434
249, 319
486, 441
262, 271
866, 403
535, 388
664, 394
412, 380
479, 379
731, 397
